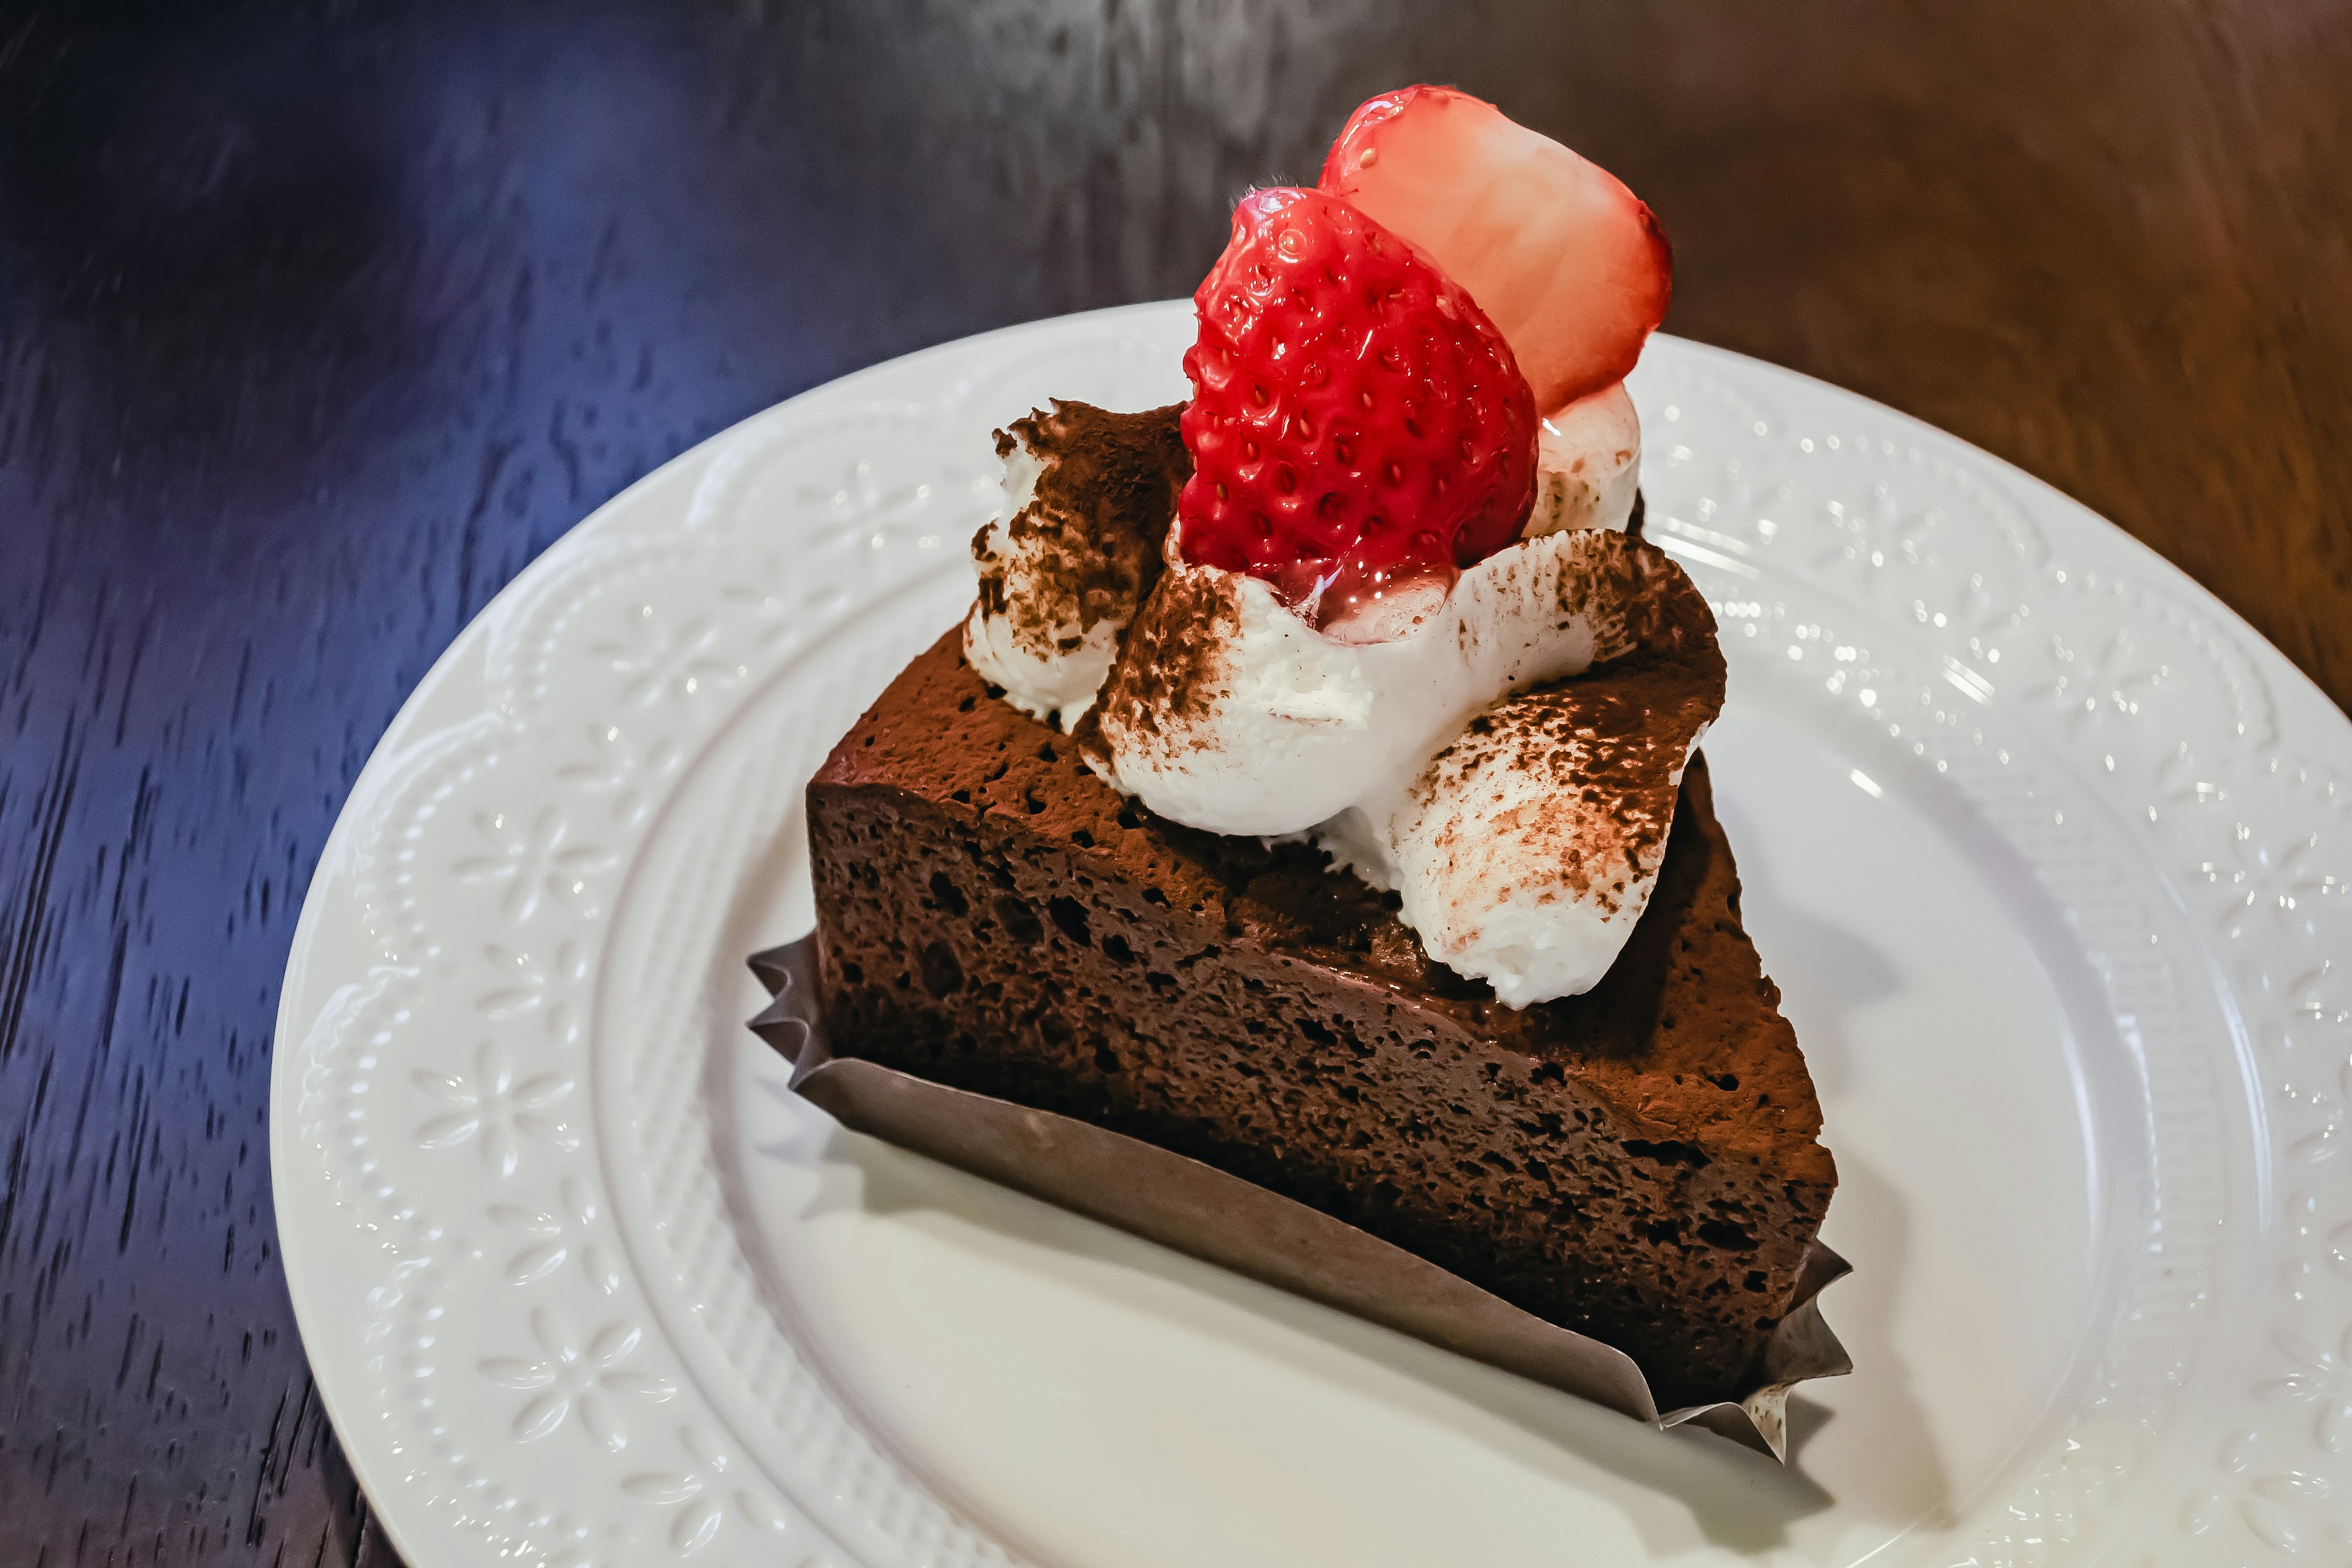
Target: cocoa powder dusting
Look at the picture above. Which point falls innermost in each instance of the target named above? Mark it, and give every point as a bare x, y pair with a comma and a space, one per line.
1089, 542
1639, 600
1568, 791
1174, 663
1612, 740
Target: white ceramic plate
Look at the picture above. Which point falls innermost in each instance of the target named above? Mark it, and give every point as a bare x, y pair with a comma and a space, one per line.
2048, 851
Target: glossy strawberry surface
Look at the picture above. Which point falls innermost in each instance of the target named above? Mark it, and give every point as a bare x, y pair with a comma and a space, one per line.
1357, 424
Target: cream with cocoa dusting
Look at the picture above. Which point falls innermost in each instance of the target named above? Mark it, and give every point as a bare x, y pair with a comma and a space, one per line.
1088, 496
1469, 758
1522, 832
1526, 852
1229, 712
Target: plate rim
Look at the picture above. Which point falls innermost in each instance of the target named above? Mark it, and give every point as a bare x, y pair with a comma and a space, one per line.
2319, 730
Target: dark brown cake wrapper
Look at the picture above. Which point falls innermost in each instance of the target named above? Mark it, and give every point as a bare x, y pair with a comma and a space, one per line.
1197, 1209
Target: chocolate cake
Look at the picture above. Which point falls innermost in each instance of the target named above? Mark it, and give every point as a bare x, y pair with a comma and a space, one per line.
1638, 1163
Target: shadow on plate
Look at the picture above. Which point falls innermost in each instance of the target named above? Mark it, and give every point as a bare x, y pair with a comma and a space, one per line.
1732, 1497
1848, 972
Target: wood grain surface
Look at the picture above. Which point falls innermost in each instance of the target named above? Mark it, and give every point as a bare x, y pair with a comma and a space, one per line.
318, 321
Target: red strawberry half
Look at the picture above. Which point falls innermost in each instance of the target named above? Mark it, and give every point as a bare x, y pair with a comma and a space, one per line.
1356, 424
1566, 262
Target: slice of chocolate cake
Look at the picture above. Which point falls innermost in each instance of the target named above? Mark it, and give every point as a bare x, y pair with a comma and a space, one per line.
1638, 1163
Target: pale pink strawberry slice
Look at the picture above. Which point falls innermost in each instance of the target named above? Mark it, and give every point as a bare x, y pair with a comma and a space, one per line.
1569, 265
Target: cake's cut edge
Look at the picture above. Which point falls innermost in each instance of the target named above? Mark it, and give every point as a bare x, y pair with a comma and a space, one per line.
1204, 1212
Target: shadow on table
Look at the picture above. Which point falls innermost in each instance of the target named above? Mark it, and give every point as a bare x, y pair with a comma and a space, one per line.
354, 1538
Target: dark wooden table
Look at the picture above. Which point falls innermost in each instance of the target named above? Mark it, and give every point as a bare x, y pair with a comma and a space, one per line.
317, 322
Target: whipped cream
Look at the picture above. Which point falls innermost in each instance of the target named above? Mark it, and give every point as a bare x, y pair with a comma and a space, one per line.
1587, 464
1228, 712
1088, 498
1525, 853
1029, 636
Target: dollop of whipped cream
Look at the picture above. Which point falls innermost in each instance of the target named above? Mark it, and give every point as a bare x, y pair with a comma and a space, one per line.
1527, 849
1522, 833
1587, 464
1088, 495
